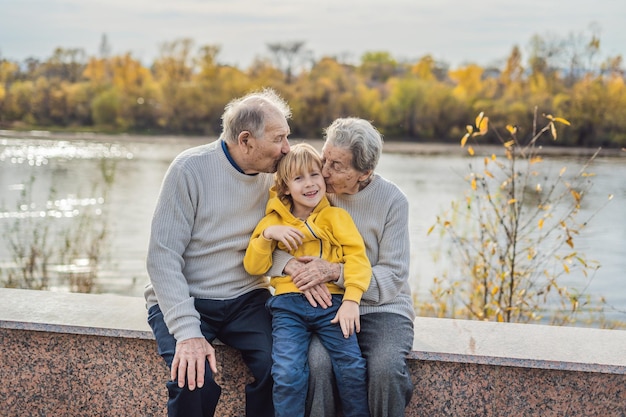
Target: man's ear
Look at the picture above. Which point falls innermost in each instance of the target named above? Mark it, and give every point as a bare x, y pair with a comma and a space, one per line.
243, 140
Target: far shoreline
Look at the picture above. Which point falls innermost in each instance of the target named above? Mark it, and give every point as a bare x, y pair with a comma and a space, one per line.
390, 146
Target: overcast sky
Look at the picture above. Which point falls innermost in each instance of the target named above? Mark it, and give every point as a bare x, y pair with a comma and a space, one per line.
453, 31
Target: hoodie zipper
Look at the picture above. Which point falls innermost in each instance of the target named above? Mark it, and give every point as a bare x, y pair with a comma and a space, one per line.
306, 223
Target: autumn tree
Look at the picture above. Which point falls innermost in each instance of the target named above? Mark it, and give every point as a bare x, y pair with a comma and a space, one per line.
65, 64
173, 71
8, 72
378, 66
287, 55
325, 93
427, 68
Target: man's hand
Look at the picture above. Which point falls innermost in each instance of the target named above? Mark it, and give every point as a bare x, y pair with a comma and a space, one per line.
189, 360
348, 318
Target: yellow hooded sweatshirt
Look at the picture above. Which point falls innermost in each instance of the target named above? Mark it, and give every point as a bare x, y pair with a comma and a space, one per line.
329, 233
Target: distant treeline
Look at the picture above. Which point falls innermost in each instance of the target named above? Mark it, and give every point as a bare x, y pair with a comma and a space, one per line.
185, 89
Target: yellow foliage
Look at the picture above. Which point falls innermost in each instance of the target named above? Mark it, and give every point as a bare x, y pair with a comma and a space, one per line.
553, 130
483, 126
464, 139
469, 82
512, 129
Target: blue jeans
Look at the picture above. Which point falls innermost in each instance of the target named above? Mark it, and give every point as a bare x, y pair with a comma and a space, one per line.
242, 323
385, 340
294, 320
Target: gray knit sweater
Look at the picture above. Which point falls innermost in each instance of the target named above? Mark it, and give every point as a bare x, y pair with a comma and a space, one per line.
381, 213
201, 228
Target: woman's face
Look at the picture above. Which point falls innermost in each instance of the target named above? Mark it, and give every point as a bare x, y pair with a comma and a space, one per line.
340, 176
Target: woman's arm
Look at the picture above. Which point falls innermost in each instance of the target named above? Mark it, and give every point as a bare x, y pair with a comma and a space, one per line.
390, 262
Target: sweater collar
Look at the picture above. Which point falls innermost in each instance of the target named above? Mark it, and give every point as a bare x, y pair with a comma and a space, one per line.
231, 160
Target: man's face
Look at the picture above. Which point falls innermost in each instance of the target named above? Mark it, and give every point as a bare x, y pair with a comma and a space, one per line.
267, 151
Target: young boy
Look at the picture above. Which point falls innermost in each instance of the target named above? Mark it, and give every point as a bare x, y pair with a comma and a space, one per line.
300, 220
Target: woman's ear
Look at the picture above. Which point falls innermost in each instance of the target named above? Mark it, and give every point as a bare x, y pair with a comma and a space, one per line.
364, 176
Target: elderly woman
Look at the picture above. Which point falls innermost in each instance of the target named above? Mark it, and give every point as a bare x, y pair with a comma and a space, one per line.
351, 152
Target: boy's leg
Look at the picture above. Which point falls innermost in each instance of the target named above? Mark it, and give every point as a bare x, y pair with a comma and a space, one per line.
182, 402
291, 343
386, 339
247, 328
348, 363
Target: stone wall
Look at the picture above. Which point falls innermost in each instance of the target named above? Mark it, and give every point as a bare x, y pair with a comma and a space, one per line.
94, 355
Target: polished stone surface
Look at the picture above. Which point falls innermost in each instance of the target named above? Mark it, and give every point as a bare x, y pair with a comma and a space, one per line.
520, 345
94, 355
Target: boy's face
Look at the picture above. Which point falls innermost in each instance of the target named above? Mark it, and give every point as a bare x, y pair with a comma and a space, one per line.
306, 191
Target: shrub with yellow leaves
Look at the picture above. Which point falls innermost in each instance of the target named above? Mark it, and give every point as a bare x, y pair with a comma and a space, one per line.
510, 242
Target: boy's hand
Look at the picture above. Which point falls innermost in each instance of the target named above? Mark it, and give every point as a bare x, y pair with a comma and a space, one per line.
348, 318
289, 236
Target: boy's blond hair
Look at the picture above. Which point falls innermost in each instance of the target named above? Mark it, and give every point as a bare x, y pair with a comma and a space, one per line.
301, 158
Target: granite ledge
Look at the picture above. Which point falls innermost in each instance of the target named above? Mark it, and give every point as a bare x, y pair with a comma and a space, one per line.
444, 340
520, 345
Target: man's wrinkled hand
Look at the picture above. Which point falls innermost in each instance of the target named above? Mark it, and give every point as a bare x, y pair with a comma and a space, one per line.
189, 362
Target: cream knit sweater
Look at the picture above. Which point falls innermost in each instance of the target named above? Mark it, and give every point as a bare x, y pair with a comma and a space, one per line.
201, 228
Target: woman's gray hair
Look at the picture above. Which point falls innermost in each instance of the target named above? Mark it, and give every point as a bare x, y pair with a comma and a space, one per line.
358, 136
250, 112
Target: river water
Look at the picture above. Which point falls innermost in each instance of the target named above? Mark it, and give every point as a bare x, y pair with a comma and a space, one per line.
65, 170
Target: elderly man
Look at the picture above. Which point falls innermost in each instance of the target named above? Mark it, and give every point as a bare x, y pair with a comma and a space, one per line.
211, 199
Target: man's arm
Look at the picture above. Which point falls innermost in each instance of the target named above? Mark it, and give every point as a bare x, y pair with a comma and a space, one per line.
172, 224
